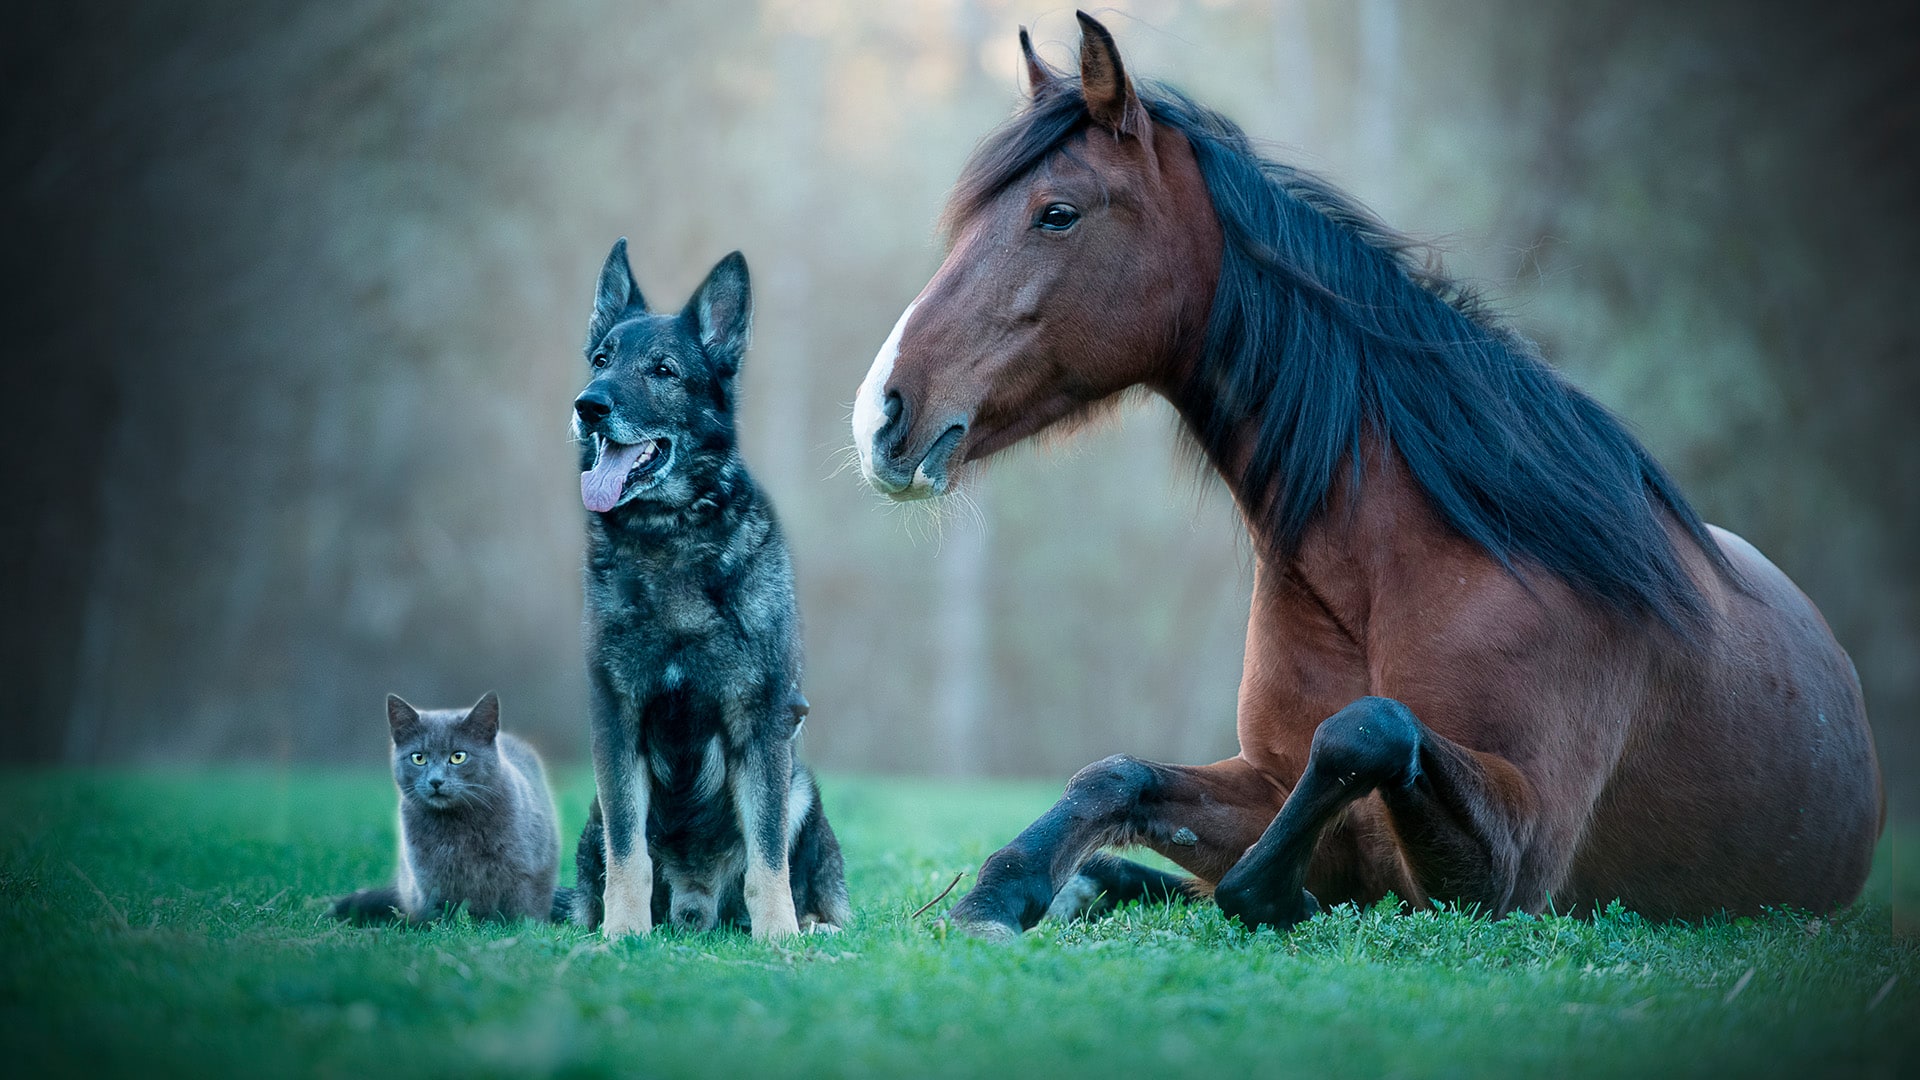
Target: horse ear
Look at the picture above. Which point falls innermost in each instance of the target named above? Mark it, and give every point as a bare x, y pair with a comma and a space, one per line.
722, 312
1104, 84
1040, 77
483, 720
401, 717
615, 295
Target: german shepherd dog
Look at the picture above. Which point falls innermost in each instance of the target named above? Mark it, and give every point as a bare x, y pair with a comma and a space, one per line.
703, 811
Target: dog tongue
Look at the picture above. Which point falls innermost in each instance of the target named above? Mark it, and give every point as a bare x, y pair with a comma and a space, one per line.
600, 486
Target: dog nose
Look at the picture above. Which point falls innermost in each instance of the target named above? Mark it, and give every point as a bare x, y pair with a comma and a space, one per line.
593, 406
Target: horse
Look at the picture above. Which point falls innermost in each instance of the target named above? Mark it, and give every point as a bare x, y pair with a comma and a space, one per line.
1494, 658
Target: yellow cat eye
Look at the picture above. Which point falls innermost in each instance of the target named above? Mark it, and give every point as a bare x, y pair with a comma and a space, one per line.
419, 758
458, 756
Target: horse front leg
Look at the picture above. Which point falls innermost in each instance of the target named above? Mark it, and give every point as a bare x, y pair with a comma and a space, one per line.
1201, 817
1458, 818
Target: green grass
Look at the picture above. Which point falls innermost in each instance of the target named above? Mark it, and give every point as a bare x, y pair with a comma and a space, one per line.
173, 924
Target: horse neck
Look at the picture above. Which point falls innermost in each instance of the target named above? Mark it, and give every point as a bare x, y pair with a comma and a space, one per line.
1371, 525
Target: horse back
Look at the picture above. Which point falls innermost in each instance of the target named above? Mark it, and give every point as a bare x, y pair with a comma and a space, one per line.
1748, 776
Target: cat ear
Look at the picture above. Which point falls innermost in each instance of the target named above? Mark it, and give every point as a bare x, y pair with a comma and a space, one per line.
483, 720
401, 717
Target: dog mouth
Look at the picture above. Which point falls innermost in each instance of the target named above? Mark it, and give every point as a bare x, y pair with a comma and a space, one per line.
622, 470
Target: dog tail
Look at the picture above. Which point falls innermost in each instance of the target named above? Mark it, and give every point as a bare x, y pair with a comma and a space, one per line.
368, 906
819, 874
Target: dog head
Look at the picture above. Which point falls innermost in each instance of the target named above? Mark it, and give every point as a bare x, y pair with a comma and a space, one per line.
655, 422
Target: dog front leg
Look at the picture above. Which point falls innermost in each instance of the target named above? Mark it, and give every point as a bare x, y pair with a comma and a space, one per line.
760, 798
624, 789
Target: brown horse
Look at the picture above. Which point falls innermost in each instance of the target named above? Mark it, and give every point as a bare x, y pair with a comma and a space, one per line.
1494, 657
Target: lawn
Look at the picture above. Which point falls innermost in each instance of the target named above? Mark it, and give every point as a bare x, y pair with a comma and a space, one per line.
173, 923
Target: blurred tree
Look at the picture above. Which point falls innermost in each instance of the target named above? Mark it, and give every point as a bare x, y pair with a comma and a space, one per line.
296, 294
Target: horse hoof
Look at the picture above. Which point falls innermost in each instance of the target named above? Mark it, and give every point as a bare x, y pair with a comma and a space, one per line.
986, 929
1256, 911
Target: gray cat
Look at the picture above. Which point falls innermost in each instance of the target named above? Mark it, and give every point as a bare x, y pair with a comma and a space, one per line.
477, 825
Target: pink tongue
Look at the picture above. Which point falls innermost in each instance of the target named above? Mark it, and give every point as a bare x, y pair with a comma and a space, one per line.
600, 486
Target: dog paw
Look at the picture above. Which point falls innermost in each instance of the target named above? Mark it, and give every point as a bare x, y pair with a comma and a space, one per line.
615, 932
775, 928
633, 922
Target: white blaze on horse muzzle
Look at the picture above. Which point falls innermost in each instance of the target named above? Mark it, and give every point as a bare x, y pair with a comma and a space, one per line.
870, 418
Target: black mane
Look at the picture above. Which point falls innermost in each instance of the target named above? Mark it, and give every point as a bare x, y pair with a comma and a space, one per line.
1326, 326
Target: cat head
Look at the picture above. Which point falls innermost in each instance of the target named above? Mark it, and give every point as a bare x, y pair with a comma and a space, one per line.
446, 758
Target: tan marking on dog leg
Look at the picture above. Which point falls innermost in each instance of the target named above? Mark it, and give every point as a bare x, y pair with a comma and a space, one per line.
629, 897
769, 891
770, 901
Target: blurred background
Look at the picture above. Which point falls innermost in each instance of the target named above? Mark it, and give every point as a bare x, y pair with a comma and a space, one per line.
295, 297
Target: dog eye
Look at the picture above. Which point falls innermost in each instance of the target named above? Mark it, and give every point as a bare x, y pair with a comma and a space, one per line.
419, 758
1058, 217
458, 756
599, 361
664, 369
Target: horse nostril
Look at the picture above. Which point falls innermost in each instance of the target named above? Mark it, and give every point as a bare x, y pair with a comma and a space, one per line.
593, 406
895, 410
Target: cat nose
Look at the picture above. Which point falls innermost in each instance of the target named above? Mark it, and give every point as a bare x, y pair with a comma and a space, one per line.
436, 784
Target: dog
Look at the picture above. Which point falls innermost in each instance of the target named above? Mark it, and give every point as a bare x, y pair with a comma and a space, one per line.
703, 813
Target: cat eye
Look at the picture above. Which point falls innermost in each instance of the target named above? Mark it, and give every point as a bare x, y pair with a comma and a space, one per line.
419, 758
458, 756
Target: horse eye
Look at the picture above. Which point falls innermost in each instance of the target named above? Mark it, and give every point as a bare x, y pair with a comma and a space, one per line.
419, 758
458, 756
599, 361
1058, 217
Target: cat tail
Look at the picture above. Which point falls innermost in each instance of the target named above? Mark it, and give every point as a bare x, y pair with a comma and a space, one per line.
564, 899
380, 905
581, 905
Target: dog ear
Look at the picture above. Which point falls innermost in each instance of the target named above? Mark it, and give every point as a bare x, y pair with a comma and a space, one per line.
721, 312
1104, 84
401, 717
483, 720
616, 295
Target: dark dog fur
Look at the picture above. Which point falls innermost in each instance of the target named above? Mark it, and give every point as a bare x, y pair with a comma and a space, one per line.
704, 814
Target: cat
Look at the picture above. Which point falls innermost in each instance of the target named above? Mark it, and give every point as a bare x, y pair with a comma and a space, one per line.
477, 824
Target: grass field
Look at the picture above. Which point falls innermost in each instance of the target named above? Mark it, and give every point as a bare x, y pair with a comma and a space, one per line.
173, 924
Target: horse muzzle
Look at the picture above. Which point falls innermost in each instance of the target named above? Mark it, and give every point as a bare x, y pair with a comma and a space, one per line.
905, 477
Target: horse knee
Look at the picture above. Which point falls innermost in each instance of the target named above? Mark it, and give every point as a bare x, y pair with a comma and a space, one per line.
1375, 741
1115, 781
